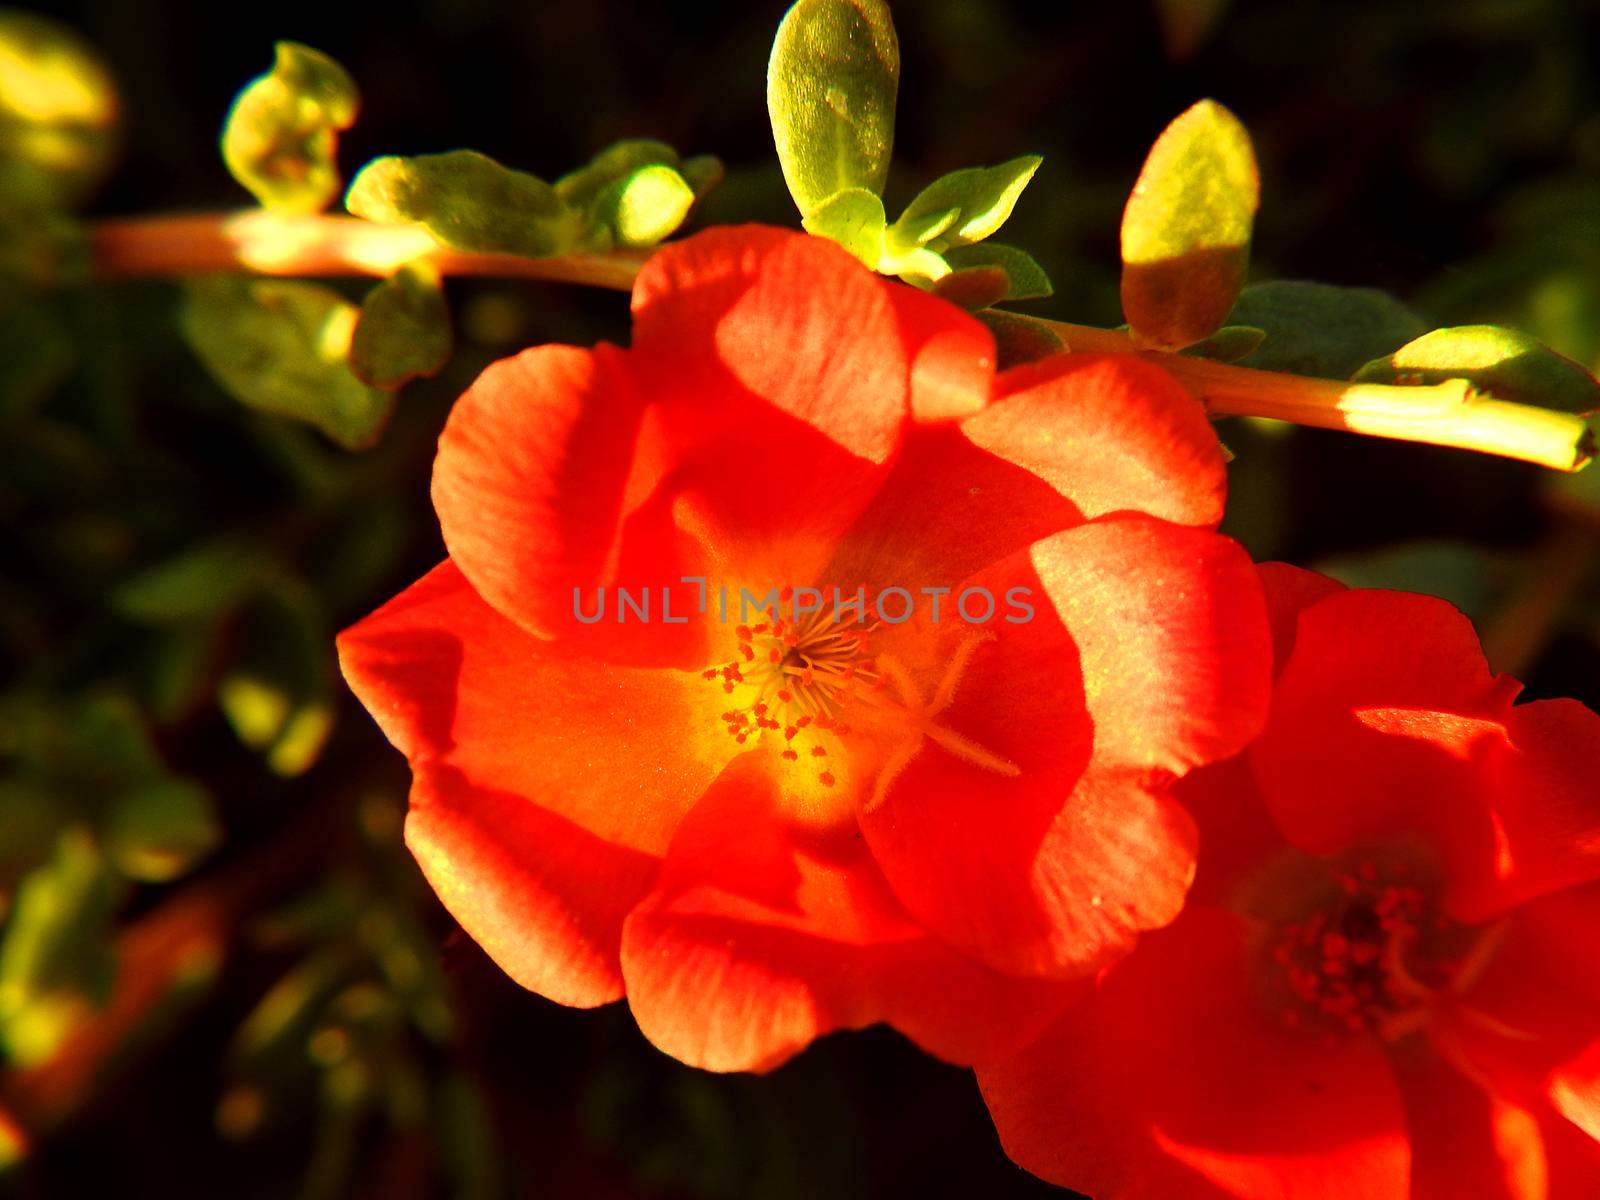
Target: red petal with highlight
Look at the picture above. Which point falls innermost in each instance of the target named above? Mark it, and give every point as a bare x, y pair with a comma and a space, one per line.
544, 898
529, 479
1112, 434
1054, 869
452, 681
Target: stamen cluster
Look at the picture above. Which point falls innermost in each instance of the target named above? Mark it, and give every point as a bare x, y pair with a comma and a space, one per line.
794, 675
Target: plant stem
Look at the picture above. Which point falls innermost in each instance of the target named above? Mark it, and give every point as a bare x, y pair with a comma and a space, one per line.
1451, 413
272, 244
1444, 414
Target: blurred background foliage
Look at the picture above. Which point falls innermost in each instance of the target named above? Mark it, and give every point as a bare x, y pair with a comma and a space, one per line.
220, 973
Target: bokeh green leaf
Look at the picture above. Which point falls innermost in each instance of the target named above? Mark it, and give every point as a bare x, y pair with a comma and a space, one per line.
282, 347
831, 84
156, 832
1186, 228
277, 694
201, 582
55, 962
468, 202
281, 136
58, 113
403, 331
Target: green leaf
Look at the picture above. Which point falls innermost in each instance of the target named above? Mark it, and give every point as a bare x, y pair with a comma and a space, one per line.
1321, 330
983, 198
581, 188
1019, 339
1025, 278
645, 206
1502, 362
855, 219
58, 113
203, 581
468, 202
1186, 229
831, 84
157, 832
282, 347
281, 135
55, 961
1229, 344
912, 232
403, 332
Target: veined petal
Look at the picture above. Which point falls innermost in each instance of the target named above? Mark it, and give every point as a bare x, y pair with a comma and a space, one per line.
1052, 866
1111, 433
794, 321
529, 479
762, 935
622, 752
543, 897
1172, 639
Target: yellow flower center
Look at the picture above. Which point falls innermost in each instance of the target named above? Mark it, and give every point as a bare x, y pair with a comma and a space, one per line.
819, 689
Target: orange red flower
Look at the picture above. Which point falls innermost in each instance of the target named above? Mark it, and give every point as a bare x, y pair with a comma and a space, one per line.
1388, 981
763, 825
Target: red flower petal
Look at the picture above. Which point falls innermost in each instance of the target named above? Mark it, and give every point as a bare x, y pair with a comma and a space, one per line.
1465, 1141
1546, 806
1172, 639
450, 680
1541, 994
1067, 441
793, 320
543, 897
1166, 1084
1290, 590
762, 935
947, 510
1055, 869
953, 356
1112, 434
1236, 832
529, 479
1387, 720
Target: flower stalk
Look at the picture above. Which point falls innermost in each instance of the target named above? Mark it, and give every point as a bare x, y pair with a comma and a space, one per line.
1451, 413
274, 244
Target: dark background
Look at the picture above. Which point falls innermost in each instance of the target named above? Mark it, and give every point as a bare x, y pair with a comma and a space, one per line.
1447, 152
